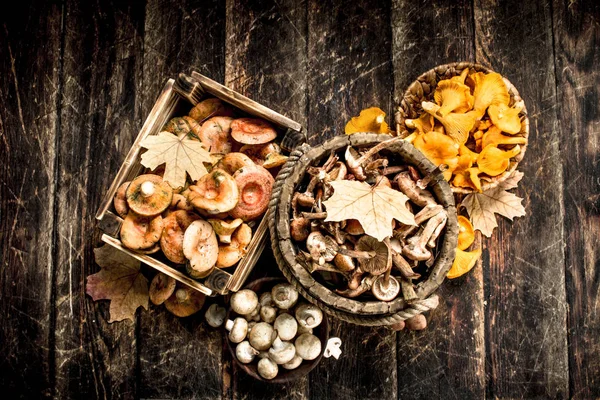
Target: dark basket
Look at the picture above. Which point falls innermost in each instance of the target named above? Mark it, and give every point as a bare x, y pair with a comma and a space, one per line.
422, 89
321, 331
372, 313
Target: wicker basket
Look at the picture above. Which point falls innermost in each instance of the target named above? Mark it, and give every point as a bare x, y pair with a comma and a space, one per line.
372, 313
422, 89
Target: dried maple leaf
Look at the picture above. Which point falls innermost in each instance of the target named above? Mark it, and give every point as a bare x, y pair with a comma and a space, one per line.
370, 120
119, 281
180, 155
482, 206
373, 206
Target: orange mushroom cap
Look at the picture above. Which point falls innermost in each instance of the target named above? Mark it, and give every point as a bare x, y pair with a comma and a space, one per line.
148, 195
252, 131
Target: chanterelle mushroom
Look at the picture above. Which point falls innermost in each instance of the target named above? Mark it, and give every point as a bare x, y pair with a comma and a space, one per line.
148, 195
171, 240
201, 248
185, 301
140, 233
215, 192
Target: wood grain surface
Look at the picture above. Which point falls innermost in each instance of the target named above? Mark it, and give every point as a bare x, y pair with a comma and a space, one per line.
79, 78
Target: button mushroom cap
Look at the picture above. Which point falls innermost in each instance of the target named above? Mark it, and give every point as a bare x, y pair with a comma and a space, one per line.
140, 233
267, 368
148, 195
229, 255
286, 326
244, 302
171, 240
214, 134
262, 335
245, 353
282, 352
161, 288
294, 363
268, 314
308, 346
200, 247
215, 315
238, 329
215, 192
308, 315
224, 229
210, 107
266, 299
185, 301
252, 131
255, 185
120, 200
284, 296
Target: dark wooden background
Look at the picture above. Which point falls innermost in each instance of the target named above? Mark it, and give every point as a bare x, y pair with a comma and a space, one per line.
77, 79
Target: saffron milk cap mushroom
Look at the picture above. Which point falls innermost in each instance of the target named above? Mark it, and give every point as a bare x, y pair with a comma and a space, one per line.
171, 240
255, 185
120, 200
215, 192
140, 233
161, 288
224, 229
209, 108
148, 195
201, 248
185, 301
230, 254
252, 131
214, 134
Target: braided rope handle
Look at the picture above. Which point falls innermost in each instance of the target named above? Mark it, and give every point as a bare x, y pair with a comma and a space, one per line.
414, 308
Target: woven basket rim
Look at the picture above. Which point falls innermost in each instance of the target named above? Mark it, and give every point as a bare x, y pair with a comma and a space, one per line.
285, 249
406, 106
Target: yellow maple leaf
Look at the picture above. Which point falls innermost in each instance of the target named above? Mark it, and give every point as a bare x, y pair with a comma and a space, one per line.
179, 154
370, 120
373, 206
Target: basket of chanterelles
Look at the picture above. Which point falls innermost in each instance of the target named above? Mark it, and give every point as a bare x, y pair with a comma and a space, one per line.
368, 272
468, 117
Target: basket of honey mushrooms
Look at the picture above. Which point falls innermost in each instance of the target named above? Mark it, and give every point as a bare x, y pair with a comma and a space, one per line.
210, 181
469, 118
364, 226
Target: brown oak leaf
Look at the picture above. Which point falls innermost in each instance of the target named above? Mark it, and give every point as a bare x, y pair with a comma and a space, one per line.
373, 206
482, 206
119, 281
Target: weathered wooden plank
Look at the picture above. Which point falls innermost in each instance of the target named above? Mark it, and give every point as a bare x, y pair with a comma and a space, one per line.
526, 313
102, 68
29, 89
350, 68
576, 37
266, 61
448, 359
180, 358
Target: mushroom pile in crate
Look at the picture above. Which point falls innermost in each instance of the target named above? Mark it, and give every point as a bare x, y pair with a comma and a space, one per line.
208, 180
366, 223
273, 327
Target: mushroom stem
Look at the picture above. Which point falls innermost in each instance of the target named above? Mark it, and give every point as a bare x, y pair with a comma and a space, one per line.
315, 215
147, 189
357, 253
408, 186
364, 286
416, 249
394, 170
428, 212
377, 148
426, 180
403, 266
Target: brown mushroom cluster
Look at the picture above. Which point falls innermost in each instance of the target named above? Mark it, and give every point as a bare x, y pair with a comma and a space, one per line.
340, 254
273, 327
207, 223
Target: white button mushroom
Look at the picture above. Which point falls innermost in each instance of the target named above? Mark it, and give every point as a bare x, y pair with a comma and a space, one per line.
284, 296
262, 336
244, 302
267, 368
294, 363
245, 353
282, 352
266, 299
215, 315
286, 326
238, 328
308, 315
308, 346
303, 329
254, 315
268, 314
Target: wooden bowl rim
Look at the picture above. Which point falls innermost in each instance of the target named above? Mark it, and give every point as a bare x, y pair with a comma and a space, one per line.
408, 102
284, 375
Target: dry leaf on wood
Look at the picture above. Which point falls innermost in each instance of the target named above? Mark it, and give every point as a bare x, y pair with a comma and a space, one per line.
482, 206
370, 120
119, 281
373, 206
180, 155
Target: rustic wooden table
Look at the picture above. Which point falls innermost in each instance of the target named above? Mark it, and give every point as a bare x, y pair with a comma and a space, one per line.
77, 80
